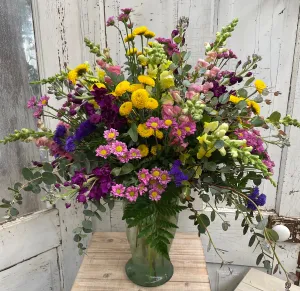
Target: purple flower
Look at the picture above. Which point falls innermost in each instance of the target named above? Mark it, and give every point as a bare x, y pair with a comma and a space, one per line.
70, 144
89, 108
43, 101
177, 174
258, 199
252, 138
127, 10
78, 178
31, 103
38, 113
217, 89
68, 205
268, 162
170, 46
84, 129
81, 198
59, 133
110, 21
174, 33
123, 17
95, 118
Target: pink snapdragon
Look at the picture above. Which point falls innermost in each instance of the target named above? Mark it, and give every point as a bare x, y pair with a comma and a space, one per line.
213, 72
118, 190
201, 64
114, 69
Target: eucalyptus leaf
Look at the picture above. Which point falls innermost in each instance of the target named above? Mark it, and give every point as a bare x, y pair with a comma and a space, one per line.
249, 81
27, 174
242, 104
87, 224
14, 212
48, 178
88, 212
116, 171
126, 169
47, 167
224, 98
242, 92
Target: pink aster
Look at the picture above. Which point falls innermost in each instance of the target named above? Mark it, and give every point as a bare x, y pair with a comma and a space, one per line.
110, 21
124, 158
142, 188
132, 193
119, 148
154, 195
188, 127
135, 154
126, 10
177, 134
38, 113
164, 178
110, 135
144, 176
156, 173
160, 188
103, 151
168, 122
123, 17
43, 101
154, 123
118, 190
31, 103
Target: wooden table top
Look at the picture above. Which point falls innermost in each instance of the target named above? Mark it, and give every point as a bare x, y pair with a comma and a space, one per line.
103, 266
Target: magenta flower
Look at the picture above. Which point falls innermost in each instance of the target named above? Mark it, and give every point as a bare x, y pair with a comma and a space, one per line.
118, 190
31, 103
132, 193
154, 195
124, 158
156, 173
164, 178
188, 127
38, 113
43, 101
160, 188
126, 10
154, 123
68, 205
178, 134
142, 188
144, 176
103, 151
135, 154
111, 134
110, 21
119, 148
123, 17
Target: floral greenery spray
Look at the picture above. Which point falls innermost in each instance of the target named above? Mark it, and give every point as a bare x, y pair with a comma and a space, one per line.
152, 131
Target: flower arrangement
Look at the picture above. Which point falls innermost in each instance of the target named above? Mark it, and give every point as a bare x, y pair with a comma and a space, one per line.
155, 132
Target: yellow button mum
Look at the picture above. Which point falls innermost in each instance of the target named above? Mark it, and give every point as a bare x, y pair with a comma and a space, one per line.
72, 76
151, 104
121, 88
146, 80
144, 150
159, 134
131, 51
125, 108
129, 37
144, 131
140, 30
140, 98
134, 87
260, 85
149, 34
254, 106
154, 150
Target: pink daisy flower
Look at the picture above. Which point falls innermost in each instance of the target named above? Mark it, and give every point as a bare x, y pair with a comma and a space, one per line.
119, 148
169, 122
118, 190
164, 178
124, 158
144, 176
188, 127
110, 135
135, 154
156, 173
178, 133
43, 101
154, 195
132, 193
142, 188
38, 113
103, 151
31, 103
154, 123
160, 188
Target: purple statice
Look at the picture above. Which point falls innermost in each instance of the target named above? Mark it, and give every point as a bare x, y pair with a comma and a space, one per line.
218, 89
78, 178
95, 118
257, 198
253, 139
84, 129
59, 134
70, 145
177, 174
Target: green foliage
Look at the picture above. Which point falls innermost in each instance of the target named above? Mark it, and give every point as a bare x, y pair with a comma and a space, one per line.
25, 135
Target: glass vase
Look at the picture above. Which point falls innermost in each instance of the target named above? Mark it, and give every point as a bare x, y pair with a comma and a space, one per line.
147, 267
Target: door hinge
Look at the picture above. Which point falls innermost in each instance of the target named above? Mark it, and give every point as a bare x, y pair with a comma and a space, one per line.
293, 224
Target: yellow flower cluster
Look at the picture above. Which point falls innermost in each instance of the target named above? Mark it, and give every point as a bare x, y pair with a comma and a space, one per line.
78, 71
155, 148
159, 134
121, 88
146, 80
129, 37
151, 104
139, 98
144, 131
149, 34
144, 150
134, 87
140, 30
131, 51
260, 86
125, 108
252, 104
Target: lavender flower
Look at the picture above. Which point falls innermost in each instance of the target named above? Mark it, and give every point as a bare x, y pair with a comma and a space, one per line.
70, 144
177, 174
257, 198
84, 129
59, 133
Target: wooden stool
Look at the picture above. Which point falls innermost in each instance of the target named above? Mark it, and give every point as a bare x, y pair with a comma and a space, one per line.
103, 266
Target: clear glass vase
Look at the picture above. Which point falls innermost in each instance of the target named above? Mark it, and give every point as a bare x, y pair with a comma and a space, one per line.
147, 267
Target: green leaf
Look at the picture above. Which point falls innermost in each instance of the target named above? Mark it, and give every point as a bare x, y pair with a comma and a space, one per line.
219, 144
175, 58
252, 240
37, 178
257, 121
214, 101
88, 213
14, 212
211, 166
133, 132
187, 67
259, 258
242, 207
47, 167
267, 264
275, 116
48, 178
4, 205
36, 189
204, 220
87, 165
242, 104
249, 81
245, 230
87, 224
224, 98
77, 238
205, 197
17, 186
225, 225
29, 187
213, 215
27, 174
271, 234
97, 215
262, 224
258, 99
116, 171
111, 204
242, 92
126, 169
